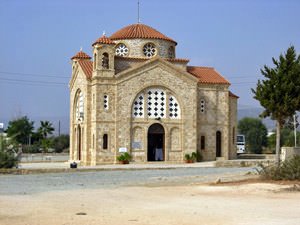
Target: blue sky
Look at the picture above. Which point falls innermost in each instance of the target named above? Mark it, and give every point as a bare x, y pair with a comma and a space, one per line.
38, 38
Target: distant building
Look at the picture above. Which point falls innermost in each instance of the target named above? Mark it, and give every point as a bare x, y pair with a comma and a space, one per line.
135, 95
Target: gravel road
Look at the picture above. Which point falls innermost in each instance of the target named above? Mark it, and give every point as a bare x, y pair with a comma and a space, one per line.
38, 183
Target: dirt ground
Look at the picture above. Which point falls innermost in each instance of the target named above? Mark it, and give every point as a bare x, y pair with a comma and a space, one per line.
232, 204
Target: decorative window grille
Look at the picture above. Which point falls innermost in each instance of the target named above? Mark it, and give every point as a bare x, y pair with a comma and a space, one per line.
202, 105
138, 107
149, 50
80, 107
174, 110
121, 50
105, 102
156, 105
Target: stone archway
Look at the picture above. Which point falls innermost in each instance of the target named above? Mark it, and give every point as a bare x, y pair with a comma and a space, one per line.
156, 143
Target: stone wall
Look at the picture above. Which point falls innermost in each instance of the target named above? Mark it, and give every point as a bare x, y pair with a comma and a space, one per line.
135, 46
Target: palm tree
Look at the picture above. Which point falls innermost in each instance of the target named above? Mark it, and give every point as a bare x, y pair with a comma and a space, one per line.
45, 129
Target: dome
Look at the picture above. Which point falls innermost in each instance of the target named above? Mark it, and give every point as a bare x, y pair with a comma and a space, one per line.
103, 40
139, 31
81, 55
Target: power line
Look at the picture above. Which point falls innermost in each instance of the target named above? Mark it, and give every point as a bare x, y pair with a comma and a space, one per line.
33, 81
34, 74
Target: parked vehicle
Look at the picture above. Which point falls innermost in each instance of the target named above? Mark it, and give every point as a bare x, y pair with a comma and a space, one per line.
240, 144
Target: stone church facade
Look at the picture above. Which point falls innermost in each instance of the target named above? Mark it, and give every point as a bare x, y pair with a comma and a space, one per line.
135, 95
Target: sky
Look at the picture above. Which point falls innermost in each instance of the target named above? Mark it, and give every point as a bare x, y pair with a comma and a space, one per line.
38, 38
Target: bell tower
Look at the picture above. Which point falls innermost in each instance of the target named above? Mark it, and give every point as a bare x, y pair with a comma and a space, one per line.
104, 55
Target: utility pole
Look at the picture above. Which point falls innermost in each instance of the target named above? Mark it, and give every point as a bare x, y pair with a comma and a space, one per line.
59, 128
295, 130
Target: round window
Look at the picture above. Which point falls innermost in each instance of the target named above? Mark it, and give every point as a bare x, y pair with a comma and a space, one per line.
149, 50
122, 50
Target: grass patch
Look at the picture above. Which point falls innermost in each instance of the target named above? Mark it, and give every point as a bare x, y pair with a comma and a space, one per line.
288, 170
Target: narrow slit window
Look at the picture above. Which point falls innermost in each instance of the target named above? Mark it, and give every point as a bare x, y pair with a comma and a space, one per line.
105, 141
95, 60
202, 142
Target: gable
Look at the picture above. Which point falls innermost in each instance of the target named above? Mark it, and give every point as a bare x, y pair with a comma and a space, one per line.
156, 63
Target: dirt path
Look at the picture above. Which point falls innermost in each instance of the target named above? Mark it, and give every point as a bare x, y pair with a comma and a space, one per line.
245, 204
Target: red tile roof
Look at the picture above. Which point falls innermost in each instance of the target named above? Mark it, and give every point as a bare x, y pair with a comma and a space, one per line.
139, 31
207, 75
103, 40
87, 67
81, 55
233, 95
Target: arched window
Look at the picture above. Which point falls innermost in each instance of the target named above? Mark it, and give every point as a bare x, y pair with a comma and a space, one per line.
156, 104
171, 52
79, 106
105, 141
105, 61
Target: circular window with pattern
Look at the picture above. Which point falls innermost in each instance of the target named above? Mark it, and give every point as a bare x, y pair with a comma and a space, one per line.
149, 50
122, 50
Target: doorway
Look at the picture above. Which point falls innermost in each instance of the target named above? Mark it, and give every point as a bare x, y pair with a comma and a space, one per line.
218, 144
156, 142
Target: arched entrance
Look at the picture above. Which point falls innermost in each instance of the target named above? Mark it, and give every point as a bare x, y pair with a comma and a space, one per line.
78, 143
218, 144
156, 143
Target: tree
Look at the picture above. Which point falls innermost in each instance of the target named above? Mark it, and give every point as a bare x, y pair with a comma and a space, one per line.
286, 138
60, 143
255, 134
45, 129
20, 129
279, 92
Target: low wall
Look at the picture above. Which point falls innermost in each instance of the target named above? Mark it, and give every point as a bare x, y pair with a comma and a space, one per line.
244, 163
40, 157
289, 152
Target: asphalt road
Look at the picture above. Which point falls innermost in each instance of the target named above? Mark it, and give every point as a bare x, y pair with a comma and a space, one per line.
37, 183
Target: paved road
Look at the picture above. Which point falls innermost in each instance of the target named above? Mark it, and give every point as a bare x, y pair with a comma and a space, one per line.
37, 183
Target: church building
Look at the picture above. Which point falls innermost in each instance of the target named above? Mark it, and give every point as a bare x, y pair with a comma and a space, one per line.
134, 95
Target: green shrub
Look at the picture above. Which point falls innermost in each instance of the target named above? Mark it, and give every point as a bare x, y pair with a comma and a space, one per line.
124, 157
7, 160
35, 148
194, 156
288, 170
